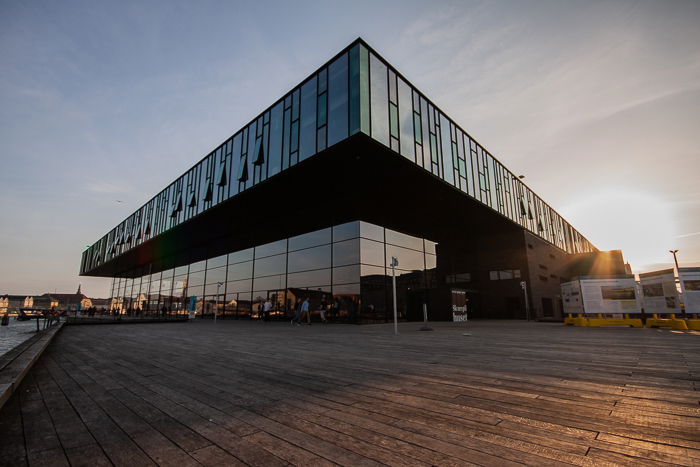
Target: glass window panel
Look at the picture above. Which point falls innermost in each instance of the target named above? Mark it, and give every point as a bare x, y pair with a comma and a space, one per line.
379, 100
216, 275
430, 261
275, 151
239, 286
346, 274
346, 289
371, 252
322, 109
417, 134
182, 270
346, 231
217, 262
240, 271
270, 249
409, 260
310, 258
430, 247
320, 237
196, 278
317, 278
371, 231
364, 90
307, 137
393, 121
322, 80
213, 288
346, 252
294, 146
270, 265
198, 266
448, 167
276, 282
371, 271
401, 239
338, 100
195, 290
240, 256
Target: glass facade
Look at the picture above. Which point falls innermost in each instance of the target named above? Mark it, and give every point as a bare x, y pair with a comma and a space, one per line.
356, 92
344, 267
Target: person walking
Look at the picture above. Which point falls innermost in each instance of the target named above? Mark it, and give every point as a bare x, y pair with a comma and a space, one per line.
297, 313
305, 309
323, 309
267, 308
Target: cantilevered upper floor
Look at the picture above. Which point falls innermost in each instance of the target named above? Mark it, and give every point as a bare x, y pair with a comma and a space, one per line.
356, 92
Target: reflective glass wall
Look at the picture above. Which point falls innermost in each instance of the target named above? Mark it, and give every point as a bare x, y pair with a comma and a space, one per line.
342, 269
357, 91
404, 120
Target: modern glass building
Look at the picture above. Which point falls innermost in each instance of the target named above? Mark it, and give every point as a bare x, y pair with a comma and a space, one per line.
316, 194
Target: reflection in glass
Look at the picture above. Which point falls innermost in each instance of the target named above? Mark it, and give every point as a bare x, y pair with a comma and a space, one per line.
401, 239
430, 261
379, 100
371, 231
346, 274
338, 100
307, 138
196, 278
270, 265
346, 231
269, 283
240, 256
319, 237
346, 252
409, 260
216, 275
270, 249
216, 262
239, 286
371, 252
240, 271
317, 278
311, 258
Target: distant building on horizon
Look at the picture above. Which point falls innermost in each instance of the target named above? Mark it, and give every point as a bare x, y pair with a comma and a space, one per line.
351, 168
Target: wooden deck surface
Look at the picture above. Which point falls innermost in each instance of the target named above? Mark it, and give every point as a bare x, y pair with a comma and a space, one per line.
236, 393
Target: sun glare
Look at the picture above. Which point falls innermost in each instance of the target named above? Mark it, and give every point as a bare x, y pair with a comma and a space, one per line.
639, 224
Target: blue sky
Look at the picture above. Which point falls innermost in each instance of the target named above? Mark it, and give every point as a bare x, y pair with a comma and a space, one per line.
597, 103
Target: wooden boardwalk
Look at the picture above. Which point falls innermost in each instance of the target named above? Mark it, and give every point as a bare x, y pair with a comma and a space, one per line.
236, 393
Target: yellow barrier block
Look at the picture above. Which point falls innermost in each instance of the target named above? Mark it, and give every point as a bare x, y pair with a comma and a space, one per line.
678, 324
597, 322
693, 324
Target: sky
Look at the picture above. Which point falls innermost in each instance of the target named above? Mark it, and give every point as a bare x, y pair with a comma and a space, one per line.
103, 104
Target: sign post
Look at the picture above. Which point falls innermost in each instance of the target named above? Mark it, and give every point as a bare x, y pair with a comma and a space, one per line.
523, 285
394, 263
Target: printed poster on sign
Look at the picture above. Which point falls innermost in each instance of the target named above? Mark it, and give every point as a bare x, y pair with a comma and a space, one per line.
610, 296
459, 305
690, 285
571, 297
659, 293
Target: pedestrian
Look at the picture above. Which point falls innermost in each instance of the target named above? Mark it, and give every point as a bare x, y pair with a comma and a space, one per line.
267, 308
297, 313
305, 309
322, 311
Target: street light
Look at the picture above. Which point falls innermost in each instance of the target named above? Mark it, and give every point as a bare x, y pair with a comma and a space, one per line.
216, 303
675, 259
394, 263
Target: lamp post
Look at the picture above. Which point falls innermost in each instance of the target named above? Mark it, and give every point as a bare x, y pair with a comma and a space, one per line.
678, 274
394, 263
675, 259
216, 303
